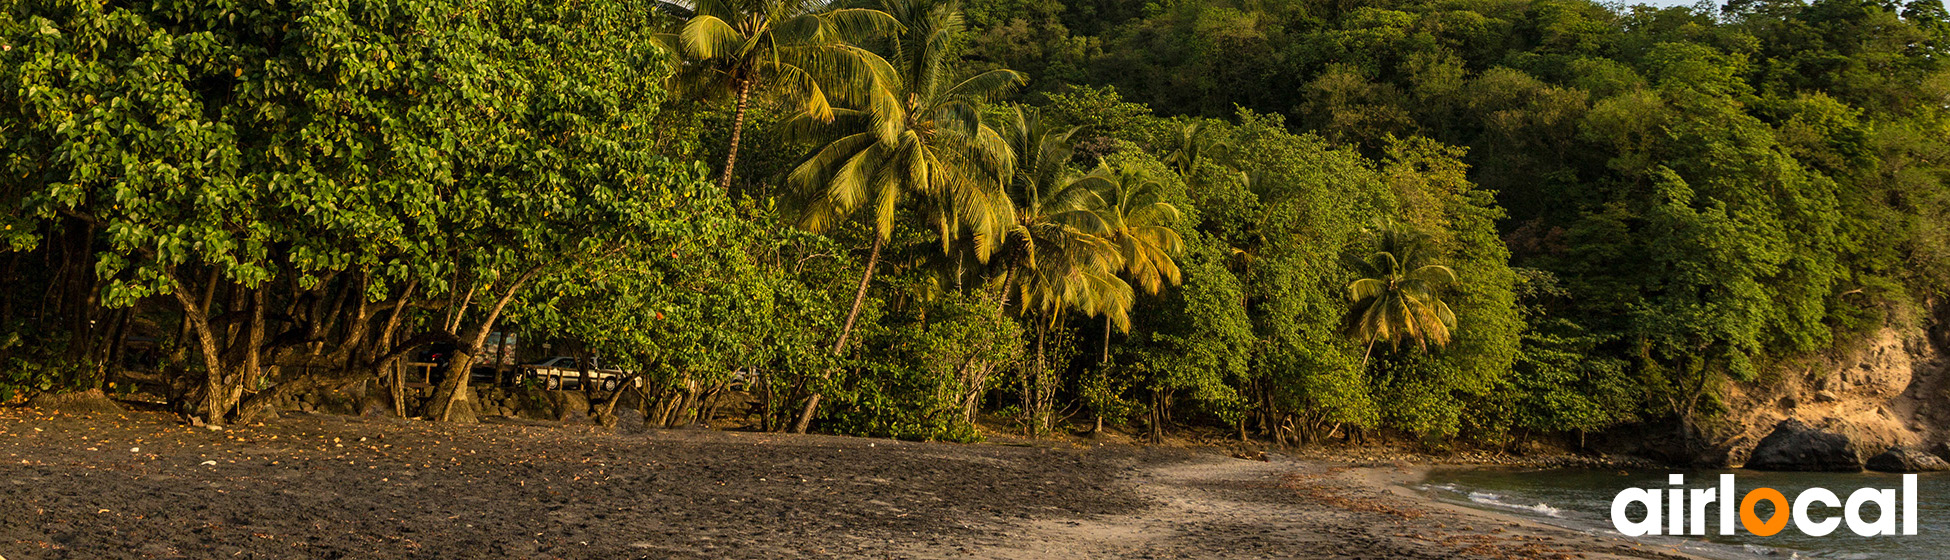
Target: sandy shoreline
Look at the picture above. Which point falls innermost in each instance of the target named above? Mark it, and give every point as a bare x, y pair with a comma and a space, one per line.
139, 485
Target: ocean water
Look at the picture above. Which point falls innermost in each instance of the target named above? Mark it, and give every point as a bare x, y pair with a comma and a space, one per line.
1581, 499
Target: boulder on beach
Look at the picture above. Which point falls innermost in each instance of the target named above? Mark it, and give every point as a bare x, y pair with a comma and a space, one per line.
1795, 446
572, 407
91, 401
1906, 459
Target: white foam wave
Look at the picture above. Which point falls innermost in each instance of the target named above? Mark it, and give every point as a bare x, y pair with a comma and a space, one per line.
1493, 499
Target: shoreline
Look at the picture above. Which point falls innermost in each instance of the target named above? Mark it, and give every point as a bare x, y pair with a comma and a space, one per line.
1401, 481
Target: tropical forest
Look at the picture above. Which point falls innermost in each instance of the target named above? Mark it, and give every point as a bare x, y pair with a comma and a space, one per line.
1443, 222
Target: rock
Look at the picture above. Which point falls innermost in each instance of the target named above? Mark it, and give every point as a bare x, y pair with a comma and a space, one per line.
91, 401
1906, 459
337, 403
1795, 446
264, 413
570, 406
1941, 450
1824, 396
1788, 402
376, 406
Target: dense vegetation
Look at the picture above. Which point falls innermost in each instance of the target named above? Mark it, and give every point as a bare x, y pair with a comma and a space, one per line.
1291, 220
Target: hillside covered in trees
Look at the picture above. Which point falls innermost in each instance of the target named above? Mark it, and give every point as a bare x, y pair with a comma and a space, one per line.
1291, 220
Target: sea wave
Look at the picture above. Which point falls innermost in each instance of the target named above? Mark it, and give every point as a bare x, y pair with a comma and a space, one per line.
1498, 500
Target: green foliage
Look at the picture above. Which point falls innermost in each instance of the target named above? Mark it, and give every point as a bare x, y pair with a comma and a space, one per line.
30, 367
930, 375
1620, 210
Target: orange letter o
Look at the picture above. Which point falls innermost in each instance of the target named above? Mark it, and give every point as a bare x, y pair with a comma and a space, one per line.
1752, 522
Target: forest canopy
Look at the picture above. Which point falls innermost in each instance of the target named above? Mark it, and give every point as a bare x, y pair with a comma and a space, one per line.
1291, 220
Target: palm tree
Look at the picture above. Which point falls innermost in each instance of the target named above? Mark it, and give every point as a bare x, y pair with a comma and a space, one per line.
930, 149
1193, 141
1399, 297
1140, 224
797, 51
1058, 253
1042, 153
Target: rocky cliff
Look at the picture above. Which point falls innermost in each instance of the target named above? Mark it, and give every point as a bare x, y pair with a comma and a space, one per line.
1890, 388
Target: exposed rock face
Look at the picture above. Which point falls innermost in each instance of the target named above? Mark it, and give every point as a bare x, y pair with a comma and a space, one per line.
1879, 391
1905, 459
1794, 446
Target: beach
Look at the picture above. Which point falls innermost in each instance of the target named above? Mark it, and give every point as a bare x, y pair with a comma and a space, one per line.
143, 485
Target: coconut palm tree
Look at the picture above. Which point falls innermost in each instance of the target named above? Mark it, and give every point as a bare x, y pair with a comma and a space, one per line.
1194, 140
1057, 254
1399, 296
930, 151
1139, 223
798, 52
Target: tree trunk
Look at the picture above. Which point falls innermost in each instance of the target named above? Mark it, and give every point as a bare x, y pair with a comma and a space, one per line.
454, 389
839, 346
582, 368
501, 359
211, 409
253, 347
1036, 409
1365, 356
737, 131
1106, 339
1157, 416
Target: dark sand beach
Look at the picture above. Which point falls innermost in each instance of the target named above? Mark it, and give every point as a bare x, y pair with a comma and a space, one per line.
142, 485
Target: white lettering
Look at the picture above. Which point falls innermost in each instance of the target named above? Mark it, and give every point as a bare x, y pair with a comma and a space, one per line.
1728, 506
1677, 515
1909, 504
1885, 501
1809, 525
1701, 497
1625, 526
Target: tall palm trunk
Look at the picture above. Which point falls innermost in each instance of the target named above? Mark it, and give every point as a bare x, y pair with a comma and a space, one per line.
1099, 428
1106, 339
1365, 356
839, 346
737, 131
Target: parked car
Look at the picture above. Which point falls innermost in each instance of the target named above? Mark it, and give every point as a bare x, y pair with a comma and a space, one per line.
559, 372
435, 358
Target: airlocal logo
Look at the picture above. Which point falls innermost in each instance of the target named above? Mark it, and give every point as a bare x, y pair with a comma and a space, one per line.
1678, 505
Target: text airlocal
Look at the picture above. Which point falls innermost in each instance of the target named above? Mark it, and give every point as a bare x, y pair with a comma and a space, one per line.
1682, 511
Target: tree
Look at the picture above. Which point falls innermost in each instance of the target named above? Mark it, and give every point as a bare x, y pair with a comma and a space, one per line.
1399, 296
1141, 226
1191, 143
930, 150
796, 51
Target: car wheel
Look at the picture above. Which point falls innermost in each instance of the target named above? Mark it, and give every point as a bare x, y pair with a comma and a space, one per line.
609, 384
554, 382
